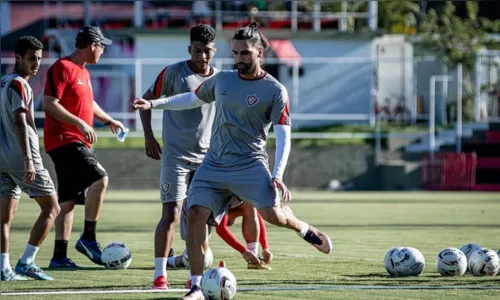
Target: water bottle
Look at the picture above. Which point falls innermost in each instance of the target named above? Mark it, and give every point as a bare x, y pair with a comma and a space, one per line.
121, 135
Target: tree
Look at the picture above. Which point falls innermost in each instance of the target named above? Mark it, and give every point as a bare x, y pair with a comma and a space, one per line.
398, 16
456, 40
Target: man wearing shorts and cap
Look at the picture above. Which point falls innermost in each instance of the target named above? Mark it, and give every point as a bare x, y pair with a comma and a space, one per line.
68, 136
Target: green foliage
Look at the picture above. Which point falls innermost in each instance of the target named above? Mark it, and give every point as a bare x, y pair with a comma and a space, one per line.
455, 40
394, 14
452, 39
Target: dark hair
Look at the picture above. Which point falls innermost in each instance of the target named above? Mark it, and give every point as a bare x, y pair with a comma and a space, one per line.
252, 34
25, 43
202, 33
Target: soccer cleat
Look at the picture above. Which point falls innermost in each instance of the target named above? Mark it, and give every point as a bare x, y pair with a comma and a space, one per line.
171, 252
160, 283
319, 240
91, 249
194, 294
32, 271
189, 284
260, 266
11, 276
62, 264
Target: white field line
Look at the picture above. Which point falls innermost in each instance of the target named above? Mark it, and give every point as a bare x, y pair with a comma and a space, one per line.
257, 289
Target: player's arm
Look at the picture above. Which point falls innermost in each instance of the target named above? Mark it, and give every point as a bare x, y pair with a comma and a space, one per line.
161, 86
280, 116
223, 231
204, 94
263, 232
267, 256
55, 84
102, 116
17, 97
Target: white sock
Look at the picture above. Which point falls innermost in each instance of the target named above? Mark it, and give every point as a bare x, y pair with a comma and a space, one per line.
29, 254
5, 263
189, 275
160, 267
304, 227
196, 280
253, 247
171, 261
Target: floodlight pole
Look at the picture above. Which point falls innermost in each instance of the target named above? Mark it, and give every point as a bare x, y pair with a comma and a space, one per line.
432, 109
459, 107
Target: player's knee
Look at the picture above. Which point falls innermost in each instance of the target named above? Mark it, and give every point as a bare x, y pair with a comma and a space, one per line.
171, 214
198, 215
102, 184
50, 209
7, 218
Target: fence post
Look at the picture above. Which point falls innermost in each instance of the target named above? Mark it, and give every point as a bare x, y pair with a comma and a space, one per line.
138, 89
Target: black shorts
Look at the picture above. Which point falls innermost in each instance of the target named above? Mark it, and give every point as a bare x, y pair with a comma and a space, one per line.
76, 169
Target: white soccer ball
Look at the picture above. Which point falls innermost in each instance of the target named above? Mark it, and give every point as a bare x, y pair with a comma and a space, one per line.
116, 256
408, 262
484, 262
388, 263
218, 284
467, 249
209, 259
451, 262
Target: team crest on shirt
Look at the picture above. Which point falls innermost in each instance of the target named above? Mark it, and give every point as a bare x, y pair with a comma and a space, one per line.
252, 100
165, 186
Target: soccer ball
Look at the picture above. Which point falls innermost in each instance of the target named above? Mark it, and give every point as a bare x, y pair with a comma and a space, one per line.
467, 249
116, 256
484, 262
388, 263
218, 284
408, 262
209, 259
451, 262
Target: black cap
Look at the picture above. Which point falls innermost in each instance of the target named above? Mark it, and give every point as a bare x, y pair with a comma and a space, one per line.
91, 34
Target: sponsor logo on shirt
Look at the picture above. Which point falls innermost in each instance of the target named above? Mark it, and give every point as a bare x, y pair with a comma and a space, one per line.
79, 82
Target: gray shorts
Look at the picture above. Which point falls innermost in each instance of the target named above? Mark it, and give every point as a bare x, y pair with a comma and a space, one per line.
213, 187
174, 181
235, 201
11, 185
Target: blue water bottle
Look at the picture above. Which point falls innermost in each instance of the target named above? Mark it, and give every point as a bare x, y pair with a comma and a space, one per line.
121, 135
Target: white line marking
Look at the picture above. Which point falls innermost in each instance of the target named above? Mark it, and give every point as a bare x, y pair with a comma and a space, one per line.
283, 288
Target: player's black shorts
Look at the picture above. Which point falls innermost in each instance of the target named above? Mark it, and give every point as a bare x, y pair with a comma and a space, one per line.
76, 169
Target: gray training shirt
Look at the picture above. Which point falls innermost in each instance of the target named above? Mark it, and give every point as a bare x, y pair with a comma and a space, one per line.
245, 110
186, 133
16, 94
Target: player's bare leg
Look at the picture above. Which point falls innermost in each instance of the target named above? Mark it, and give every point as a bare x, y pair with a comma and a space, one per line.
197, 236
164, 235
250, 230
283, 216
95, 197
8, 209
63, 229
87, 244
49, 211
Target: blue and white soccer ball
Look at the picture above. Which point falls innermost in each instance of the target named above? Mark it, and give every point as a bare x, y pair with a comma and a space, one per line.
218, 284
451, 262
407, 261
468, 249
484, 262
116, 256
388, 263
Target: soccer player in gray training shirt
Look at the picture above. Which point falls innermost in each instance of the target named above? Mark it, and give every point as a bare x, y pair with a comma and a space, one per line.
186, 137
247, 102
21, 167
